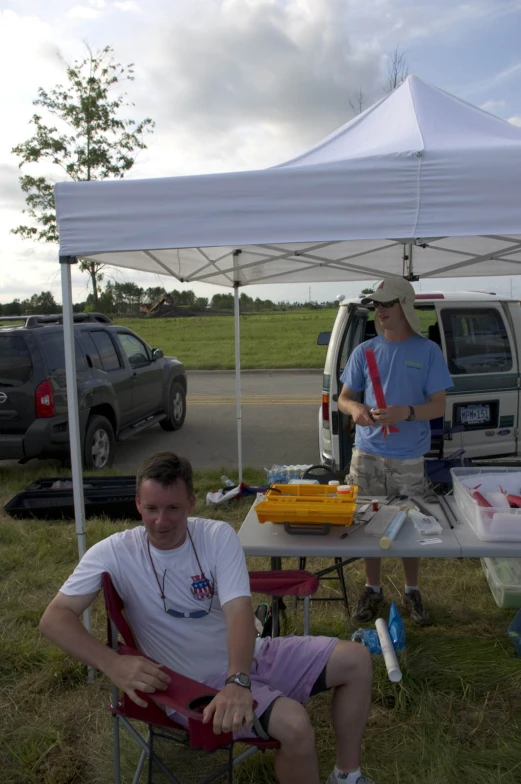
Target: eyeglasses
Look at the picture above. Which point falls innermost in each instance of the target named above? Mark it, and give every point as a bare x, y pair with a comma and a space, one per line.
386, 305
204, 585
194, 613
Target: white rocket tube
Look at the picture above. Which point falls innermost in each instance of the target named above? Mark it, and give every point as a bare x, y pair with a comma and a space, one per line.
393, 528
389, 654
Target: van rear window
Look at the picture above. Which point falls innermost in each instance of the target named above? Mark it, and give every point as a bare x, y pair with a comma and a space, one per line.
477, 341
16, 366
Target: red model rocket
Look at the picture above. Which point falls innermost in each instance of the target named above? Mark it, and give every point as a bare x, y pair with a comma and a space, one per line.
378, 389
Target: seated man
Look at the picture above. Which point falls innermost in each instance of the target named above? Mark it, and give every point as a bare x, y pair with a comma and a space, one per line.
185, 587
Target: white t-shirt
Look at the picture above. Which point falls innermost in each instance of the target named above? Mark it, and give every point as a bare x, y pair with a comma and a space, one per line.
196, 647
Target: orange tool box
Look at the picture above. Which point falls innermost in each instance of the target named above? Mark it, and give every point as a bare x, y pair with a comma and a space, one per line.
307, 504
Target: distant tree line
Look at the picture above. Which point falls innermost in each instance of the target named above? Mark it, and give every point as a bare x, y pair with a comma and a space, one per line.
129, 299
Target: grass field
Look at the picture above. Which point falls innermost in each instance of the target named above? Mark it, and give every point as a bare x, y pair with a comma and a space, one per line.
274, 340
455, 718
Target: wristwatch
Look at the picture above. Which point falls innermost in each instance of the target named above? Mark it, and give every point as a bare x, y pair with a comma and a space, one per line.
240, 678
412, 415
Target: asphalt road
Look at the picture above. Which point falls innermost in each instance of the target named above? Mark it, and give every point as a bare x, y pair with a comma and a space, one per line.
279, 422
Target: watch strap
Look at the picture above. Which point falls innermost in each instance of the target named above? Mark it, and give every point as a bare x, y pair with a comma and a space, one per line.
412, 414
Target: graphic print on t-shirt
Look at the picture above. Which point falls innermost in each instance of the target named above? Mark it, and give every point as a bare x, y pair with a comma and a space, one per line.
201, 587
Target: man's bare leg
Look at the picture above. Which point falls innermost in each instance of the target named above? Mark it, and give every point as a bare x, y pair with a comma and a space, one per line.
349, 672
296, 760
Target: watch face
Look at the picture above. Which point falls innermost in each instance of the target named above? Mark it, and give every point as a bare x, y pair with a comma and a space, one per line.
243, 678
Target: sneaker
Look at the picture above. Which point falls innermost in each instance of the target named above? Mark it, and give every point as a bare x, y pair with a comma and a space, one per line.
360, 780
368, 605
412, 603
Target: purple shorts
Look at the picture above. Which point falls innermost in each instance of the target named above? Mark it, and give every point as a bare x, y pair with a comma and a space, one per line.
284, 667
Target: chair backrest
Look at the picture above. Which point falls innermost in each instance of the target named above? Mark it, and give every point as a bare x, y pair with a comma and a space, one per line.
114, 608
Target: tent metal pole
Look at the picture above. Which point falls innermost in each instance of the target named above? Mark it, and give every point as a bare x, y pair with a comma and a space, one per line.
238, 407
73, 412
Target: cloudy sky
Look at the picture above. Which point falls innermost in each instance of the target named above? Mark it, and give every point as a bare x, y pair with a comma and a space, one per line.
240, 84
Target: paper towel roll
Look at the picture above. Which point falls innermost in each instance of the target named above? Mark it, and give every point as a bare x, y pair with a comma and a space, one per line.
389, 654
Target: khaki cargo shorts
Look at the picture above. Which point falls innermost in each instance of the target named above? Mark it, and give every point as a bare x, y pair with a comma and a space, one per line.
377, 475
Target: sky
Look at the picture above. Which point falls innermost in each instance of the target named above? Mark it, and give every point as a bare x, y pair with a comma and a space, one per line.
240, 84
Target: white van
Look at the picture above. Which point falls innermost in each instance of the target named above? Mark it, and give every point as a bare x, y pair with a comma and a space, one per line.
479, 335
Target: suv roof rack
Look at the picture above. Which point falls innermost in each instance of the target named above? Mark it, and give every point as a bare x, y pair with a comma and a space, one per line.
57, 318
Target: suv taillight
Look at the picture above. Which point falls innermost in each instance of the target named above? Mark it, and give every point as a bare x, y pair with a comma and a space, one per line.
44, 400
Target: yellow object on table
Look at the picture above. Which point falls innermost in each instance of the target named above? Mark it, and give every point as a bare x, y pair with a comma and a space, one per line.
307, 504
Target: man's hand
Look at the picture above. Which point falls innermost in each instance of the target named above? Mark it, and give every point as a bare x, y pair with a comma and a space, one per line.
361, 414
231, 708
135, 672
390, 415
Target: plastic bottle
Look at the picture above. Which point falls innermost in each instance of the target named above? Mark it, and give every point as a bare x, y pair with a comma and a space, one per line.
227, 482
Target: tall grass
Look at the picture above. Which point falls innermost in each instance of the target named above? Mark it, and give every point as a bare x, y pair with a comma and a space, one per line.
455, 717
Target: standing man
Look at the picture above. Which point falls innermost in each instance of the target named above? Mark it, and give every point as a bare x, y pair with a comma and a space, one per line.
414, 377
186, 591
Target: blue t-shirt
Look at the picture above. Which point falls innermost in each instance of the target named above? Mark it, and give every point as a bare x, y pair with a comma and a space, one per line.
410, 370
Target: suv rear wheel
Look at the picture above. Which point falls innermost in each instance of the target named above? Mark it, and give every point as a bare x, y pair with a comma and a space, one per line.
98, 451
176, 408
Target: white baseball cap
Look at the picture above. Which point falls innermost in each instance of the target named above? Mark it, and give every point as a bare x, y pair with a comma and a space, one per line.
402, 290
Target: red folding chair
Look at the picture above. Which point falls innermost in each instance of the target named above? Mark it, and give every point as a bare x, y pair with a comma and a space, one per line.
184, 695
287, 582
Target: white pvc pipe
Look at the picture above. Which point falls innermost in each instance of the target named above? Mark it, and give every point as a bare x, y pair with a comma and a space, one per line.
74, 418
393, 529
389, 654
238, 407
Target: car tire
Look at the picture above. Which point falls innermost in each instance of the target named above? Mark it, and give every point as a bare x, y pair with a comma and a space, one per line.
98, 449
176, 408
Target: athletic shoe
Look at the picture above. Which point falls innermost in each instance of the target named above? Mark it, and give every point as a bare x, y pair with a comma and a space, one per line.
412, 603
368, 605
360, 780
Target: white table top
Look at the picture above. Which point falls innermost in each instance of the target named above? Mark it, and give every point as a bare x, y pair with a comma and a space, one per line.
269, 539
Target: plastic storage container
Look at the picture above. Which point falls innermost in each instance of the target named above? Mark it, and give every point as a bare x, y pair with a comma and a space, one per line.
310, 504
504, 578
490, 524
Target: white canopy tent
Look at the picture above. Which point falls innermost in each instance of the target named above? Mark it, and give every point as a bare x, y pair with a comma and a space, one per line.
420, 185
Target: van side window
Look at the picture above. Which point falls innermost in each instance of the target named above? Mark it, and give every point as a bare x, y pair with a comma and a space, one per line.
477, 341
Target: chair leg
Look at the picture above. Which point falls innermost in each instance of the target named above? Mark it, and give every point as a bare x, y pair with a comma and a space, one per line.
140, 766
117, 757
307, 601
150, 754
341, 579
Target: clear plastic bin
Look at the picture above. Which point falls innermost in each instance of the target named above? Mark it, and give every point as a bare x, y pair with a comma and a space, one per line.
504, 578
490, 524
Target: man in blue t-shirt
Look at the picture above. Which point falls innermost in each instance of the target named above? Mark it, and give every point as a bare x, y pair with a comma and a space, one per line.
414, 378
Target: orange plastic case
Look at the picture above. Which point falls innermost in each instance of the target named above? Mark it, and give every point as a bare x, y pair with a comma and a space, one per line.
309, 504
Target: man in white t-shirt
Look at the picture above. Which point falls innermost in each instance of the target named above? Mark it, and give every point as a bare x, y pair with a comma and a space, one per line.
185, 587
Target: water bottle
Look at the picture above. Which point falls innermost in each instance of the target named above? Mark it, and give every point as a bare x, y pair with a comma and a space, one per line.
226, 481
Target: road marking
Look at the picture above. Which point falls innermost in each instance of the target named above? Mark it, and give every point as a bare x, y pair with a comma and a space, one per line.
254, 400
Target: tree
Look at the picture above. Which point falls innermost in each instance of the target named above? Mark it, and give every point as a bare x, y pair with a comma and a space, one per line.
87, 139
397, 70
40, 304
153, 293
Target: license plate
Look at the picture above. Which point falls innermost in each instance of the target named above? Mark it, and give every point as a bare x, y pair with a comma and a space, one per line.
475, 415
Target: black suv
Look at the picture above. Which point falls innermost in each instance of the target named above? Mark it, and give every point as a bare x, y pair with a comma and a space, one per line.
123, 387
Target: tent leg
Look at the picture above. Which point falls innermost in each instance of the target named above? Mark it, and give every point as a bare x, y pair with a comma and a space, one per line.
74, 417
238, 409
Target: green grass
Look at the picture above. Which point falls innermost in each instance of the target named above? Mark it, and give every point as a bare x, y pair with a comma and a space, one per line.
455, 717
274, 340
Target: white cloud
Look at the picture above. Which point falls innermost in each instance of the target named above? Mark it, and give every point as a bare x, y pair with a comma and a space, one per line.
515, 120
83, 12
129, 6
